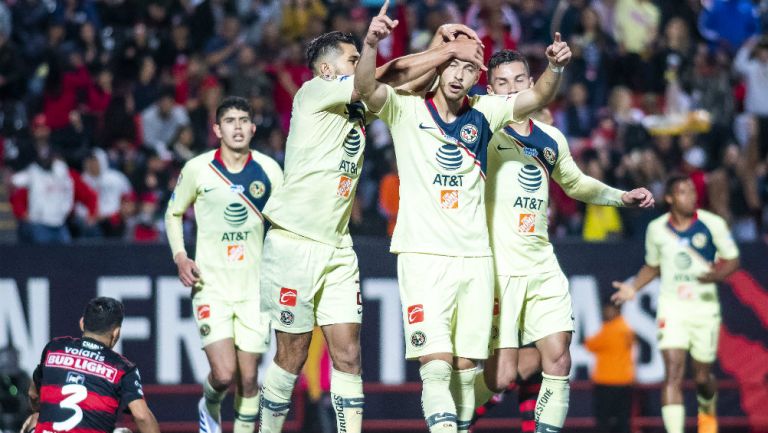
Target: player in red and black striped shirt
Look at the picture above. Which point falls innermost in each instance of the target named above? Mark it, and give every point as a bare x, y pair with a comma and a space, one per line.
81, 384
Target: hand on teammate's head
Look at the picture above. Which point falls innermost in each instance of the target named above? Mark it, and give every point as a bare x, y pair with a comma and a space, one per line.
451, 32
469, 50
381, 26
558, 53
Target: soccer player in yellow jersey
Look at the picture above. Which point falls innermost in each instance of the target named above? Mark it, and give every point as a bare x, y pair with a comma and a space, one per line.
691, 250
309, 270
445, 269
229, 188
534, 305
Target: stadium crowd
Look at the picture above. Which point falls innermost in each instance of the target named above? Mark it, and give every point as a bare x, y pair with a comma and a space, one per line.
103, 101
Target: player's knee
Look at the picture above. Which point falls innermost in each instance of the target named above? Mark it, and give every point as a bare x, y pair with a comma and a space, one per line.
248, 384
559, 363
674, 376
222, 377
346, 358
702, 378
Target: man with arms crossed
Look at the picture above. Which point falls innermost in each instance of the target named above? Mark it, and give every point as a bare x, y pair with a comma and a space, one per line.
229, 187
309, 270
691, 250
81, 385
445, 269
531, 289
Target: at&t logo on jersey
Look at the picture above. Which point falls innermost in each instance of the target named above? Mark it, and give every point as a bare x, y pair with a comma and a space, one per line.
288, 297
352, 143
449, 157
415, 313
469, 133
529, 178
236, 214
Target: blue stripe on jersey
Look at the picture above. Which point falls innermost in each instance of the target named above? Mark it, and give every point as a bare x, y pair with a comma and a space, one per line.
699, 238
252, 178
470, 128
538, 144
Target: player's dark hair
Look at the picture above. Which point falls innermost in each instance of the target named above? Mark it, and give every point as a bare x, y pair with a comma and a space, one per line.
506, 56
233, 102
102, 315
327, 43
672, 181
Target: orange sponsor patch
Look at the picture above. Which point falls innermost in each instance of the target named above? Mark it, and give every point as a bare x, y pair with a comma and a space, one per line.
527, 223
449, 199
345, 187
235, 253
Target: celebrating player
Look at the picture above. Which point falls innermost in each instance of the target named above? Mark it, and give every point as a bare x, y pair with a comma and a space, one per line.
229, 187
692, 250
445, 269
82, 385
534, 305
309, 269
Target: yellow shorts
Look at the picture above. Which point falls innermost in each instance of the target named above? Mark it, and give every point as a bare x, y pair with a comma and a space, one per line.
304, 282
447, 304
530, 307
219, 319
696, 333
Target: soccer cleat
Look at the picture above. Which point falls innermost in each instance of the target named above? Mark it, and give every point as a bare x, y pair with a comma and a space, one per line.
707, 423
207, 423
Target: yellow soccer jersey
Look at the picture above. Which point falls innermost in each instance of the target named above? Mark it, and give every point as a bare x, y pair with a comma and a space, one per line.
442, 172
517, 195
230, 225
323, 161
683, 256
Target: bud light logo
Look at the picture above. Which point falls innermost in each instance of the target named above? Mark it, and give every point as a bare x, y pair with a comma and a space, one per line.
449, 157
529, 178
236, 214
352, 143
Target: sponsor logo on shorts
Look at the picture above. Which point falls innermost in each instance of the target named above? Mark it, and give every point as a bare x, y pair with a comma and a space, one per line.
205, 330
415, 314
469, 133
288, 297
496, 307
203, 311
418, 339
235, 253
449, 199
526, 223
345, 187
286, 318
257, 189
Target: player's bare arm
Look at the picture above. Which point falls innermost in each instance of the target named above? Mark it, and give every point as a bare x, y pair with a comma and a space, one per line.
627, 291
720, 271
371, 91
545, 89
143, 417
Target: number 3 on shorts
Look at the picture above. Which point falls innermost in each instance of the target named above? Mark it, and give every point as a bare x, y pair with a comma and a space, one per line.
76, 394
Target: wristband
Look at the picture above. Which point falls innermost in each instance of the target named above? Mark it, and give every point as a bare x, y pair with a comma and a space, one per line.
556, 69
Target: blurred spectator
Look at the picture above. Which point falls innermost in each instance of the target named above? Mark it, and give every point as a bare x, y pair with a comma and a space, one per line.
68, 80
606, 10
111, 186
202, 117
636, 26
535, 33
161, 121
221, 50
10, 63
673, 56
594, 53
249, 77
184, 145
733, 194
694, 161
146, 89
389, 194
45, 193
496, 24
14, 404
177, 48
600, 222
566, 17
289, 72
577, 119
145, 226
752, 63
298, 15
729, 23
614, 371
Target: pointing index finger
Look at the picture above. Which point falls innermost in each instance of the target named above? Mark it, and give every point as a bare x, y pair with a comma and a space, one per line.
557, 34
383, 10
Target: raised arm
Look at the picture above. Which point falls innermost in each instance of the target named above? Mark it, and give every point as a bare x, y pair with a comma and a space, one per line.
545, 89
371, 91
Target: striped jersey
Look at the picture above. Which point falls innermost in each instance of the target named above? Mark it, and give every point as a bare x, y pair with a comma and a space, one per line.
323, 162
442, 169
230, 225
83, 386
683, 256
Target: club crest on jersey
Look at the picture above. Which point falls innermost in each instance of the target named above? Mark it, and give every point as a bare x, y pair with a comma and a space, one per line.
352, 143
468, 133
530, 151
236, 214
237, 189
449, 157
205, 330
529, 178
257, 189
418, 339
699, 240
549, 155
286, 318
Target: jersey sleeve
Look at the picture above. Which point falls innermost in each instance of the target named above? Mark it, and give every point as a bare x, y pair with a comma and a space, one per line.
183, 196
319, 94
130, 387
577, 184
721, 236
392, 109
652, 254
274, 173
498, 109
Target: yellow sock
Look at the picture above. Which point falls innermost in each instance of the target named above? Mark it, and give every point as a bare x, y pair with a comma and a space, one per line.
439, 407
674, 417
275, 398
213, 398
347, 398
463, 392
707, 405
552, 403
246, 413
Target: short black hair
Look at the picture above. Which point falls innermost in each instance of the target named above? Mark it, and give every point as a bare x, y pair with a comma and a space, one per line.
102, 315
233, 102
507, 56
325, 44
672, 181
